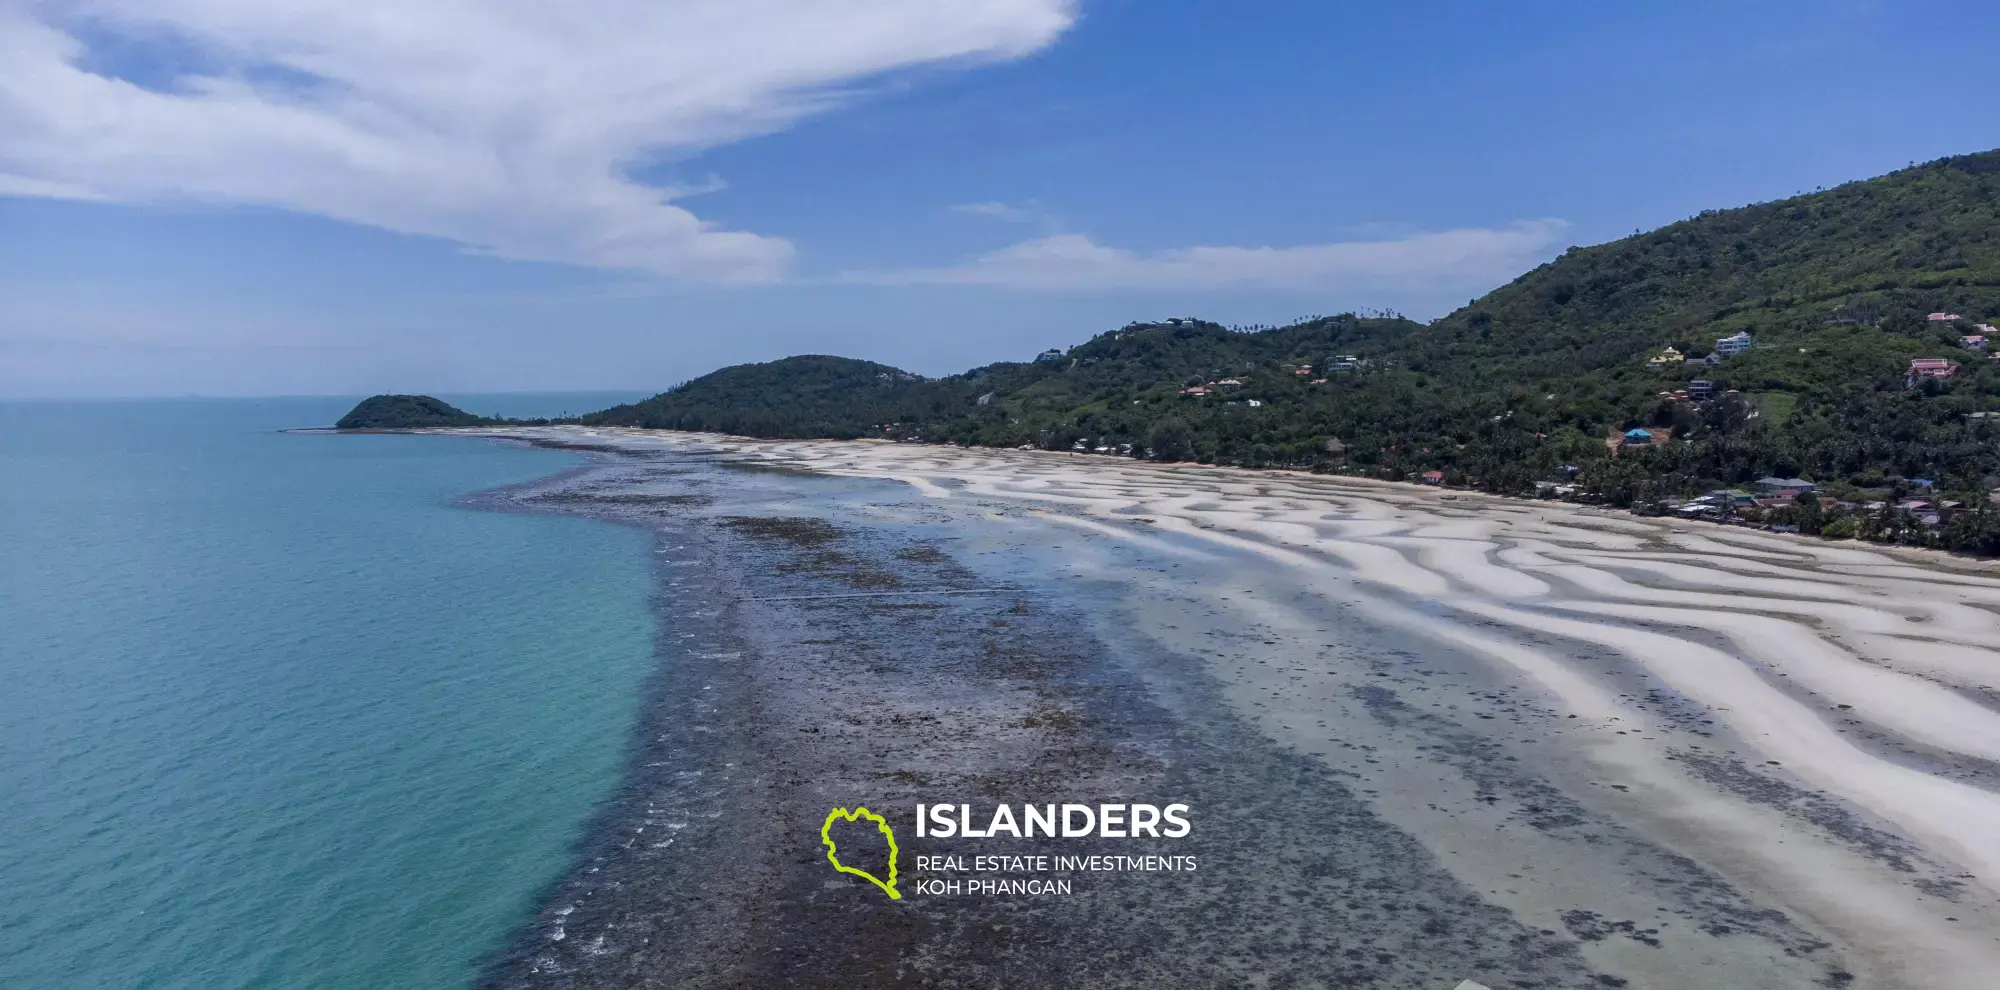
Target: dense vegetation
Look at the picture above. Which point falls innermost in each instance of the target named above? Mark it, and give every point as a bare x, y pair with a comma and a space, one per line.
809, 396
407, 412
1526, 384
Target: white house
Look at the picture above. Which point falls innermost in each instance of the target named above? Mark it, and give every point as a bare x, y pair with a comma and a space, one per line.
1733, 345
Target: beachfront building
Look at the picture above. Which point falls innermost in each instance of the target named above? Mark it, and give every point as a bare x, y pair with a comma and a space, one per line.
1433, 477
1733, 344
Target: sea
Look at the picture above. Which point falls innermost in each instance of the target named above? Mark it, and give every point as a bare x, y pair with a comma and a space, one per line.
277, 711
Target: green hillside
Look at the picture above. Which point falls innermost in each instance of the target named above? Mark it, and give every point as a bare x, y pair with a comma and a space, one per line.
1526, 384
813, 395
1834, 287
1873, 253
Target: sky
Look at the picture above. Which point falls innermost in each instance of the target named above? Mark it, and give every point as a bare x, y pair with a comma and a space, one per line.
263, 197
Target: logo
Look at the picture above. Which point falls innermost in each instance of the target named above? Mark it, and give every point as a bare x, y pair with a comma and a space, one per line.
833, 854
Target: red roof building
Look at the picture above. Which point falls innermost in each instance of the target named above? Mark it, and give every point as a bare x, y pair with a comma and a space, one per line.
1929, 368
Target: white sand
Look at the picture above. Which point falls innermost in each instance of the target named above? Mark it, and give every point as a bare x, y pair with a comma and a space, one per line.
1788, 630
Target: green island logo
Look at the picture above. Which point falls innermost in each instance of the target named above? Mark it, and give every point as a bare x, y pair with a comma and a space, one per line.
833, 854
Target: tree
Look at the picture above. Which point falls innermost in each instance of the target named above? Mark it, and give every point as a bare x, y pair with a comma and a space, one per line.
1170, 439
1810, 517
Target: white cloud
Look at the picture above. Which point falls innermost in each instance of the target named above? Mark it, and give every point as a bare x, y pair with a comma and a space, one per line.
1442, 263
997, 211
510, 127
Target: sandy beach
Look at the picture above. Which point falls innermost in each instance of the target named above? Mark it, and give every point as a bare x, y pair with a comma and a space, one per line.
1678, 754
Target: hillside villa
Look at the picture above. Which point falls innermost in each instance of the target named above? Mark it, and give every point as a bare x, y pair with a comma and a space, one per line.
1733, 345
1922, 369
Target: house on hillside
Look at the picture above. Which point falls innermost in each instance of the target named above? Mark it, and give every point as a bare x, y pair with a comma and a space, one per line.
1944, 318
1973, 342
1636, 438
1666, 358
1228, 384
1194, 390
1733, 344
1923, 369
1343, 362
1701, 390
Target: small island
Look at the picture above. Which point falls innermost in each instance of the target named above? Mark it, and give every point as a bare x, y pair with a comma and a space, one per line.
409, 412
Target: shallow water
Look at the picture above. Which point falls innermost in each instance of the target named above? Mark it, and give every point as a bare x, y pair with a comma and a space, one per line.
275, 712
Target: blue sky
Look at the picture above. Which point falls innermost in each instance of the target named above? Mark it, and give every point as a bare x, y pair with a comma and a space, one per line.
310, 196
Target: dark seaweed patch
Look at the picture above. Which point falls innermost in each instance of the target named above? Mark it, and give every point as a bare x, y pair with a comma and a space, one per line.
802, 531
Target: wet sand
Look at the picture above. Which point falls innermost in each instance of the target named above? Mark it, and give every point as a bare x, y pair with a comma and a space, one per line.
1428, 736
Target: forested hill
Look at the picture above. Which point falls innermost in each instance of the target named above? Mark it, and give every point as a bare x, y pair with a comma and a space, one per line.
406, 412
1915, 241
1834, 287
1838, 291
813, 395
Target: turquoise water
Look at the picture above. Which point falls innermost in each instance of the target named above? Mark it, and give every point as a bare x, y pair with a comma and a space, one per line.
274, 714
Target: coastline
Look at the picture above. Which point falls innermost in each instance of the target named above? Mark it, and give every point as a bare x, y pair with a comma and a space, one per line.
1817, 860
